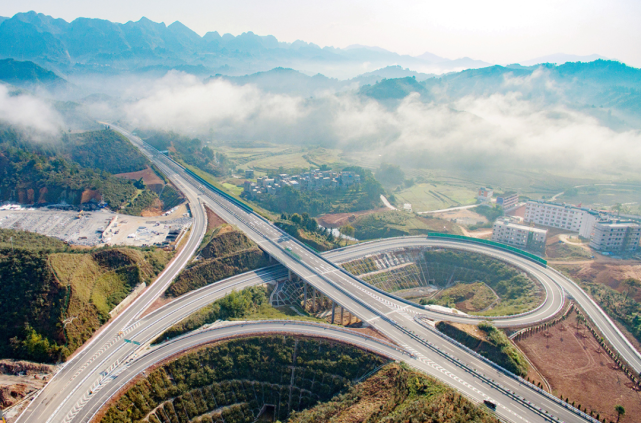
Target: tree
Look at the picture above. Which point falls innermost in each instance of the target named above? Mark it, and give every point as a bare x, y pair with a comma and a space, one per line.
620, 411
296, 219
348, 230
617, 208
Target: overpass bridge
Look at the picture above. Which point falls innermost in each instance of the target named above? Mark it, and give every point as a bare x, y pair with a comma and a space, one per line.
67, 395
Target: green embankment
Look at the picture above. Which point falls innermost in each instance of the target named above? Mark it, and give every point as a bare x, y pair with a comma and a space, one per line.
227, 254
517, 292
231, 381
54, 297
249, 304
397, 394
494, 346
466, 279
472, 297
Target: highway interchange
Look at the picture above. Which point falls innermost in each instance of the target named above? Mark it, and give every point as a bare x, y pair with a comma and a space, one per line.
82, 386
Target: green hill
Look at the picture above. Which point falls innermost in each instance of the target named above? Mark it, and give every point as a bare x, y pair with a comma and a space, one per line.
227, 253
77, 169
28, 73
395, 89
289, 379
232, 381
54, 297
397, 394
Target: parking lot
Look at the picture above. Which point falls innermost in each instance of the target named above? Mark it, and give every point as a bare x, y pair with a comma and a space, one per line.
98, 228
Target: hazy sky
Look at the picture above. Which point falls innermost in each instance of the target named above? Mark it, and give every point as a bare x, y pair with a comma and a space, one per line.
498, 31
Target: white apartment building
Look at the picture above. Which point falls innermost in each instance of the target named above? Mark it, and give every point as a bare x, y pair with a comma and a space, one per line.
613, 235
517, 235
485, 194
507, 200
562, 216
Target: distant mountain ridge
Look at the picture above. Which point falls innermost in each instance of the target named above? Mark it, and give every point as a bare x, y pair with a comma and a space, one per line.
97, 45
28, 74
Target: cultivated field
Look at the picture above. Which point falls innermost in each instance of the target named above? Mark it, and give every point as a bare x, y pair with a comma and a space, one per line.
436, 196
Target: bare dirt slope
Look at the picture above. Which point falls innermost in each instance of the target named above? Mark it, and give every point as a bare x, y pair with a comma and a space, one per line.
337, 220
576, 367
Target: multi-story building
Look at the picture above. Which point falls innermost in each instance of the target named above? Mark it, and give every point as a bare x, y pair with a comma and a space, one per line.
485, 194
616, 235
507, 200
562, 216
507, 232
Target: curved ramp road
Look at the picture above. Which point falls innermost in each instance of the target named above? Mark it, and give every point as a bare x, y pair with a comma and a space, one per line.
67, 395
455, 373
376, 309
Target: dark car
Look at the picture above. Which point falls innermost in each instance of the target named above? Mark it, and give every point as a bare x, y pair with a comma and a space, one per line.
489, 404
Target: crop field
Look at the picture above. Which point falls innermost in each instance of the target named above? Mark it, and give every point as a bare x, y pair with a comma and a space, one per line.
436, 196
264, 159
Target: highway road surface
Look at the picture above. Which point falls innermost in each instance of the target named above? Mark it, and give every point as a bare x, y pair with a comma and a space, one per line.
394, 320
67, 395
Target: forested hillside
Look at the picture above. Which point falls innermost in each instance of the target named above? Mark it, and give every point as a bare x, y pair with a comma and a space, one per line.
397, 394
54, 298
231, 381
306, 380
75, 169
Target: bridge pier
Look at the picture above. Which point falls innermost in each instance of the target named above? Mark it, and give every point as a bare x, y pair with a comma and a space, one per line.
305, 297
333, 310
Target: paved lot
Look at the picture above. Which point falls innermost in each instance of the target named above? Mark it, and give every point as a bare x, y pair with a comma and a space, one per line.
97, 227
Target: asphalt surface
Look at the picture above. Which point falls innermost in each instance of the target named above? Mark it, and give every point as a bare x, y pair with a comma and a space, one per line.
68, 394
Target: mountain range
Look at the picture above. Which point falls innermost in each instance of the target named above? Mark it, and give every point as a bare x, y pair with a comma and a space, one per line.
100, 46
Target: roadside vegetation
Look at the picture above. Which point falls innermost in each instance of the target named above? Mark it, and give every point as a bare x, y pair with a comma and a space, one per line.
55, 297
305, 229
397, 394
251, 303
231, 381
396, 223
624, 306
472, 297
488, 341
228, 252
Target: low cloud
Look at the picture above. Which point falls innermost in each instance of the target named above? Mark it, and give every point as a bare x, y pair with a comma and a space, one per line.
526, 123
28, 113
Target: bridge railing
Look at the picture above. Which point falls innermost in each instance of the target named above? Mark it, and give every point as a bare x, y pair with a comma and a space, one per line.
529, 256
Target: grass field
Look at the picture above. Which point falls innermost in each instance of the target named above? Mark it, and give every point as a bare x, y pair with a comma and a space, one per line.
605, 196
471, 297
435, 196
264, 159
397, 223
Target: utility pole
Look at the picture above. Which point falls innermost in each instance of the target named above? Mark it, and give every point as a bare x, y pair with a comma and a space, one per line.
11, 239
